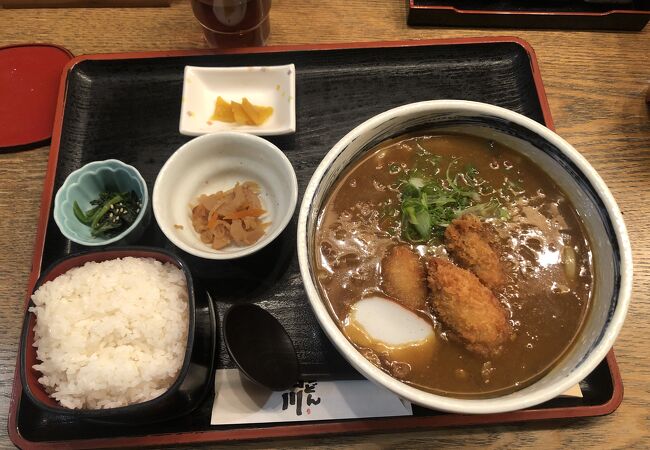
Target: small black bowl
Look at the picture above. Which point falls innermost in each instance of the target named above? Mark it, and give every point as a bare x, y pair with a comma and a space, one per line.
195, 378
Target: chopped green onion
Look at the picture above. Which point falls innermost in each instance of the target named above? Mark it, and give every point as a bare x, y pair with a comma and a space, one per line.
429, 206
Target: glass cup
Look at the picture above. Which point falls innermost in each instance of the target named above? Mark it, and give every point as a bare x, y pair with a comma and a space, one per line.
233, 23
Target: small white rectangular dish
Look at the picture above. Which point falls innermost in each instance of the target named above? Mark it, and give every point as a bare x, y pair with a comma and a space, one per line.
266, 86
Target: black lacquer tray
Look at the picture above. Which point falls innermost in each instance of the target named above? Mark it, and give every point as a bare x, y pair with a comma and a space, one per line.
127, 106
624, 15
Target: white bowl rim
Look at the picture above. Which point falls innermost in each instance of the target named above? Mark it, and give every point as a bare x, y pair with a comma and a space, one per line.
459, 405
99, 164
243, 251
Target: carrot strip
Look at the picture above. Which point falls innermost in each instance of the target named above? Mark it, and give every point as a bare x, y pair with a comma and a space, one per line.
212, 220
250, 212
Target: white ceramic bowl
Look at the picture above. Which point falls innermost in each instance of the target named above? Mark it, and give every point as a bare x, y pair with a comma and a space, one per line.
565, 165
215, 162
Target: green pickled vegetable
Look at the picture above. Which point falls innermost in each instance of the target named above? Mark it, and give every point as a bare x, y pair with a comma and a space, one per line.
112, 213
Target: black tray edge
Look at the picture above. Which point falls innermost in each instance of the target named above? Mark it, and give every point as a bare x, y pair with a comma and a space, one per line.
448, 16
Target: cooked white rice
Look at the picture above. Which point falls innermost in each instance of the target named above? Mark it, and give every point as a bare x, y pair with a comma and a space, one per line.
111, 334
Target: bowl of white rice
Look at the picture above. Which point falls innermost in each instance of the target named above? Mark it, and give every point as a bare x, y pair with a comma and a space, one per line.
121, 335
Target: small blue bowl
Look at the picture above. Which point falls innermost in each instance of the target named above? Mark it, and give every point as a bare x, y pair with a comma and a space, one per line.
84, 185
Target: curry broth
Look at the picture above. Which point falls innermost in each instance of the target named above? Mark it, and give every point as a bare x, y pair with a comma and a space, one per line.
361, 221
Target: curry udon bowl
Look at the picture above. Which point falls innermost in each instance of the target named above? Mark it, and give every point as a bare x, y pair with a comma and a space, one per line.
592, 205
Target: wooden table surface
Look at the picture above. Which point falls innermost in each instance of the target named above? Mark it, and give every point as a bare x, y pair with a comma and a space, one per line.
595, 82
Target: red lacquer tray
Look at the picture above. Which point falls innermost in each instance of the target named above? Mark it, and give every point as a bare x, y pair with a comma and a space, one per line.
29, 82
126, 106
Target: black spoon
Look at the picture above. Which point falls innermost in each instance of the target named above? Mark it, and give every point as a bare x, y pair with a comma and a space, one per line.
264, 352
260, 346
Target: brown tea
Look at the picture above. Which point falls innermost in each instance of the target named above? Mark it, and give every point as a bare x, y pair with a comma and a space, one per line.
234, 23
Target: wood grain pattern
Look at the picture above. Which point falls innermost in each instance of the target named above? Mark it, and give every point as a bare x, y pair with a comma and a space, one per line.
596, 84
81, 3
